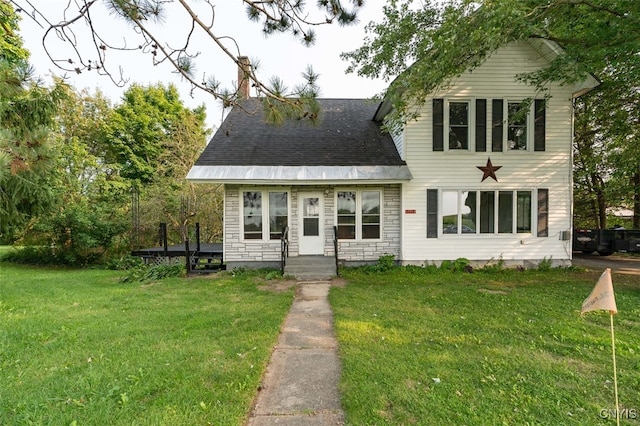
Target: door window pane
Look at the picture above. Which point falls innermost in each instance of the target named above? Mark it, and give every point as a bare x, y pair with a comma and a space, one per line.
310, 227
252, 214
311, 216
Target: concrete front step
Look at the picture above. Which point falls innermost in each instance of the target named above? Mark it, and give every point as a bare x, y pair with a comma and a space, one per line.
311, 267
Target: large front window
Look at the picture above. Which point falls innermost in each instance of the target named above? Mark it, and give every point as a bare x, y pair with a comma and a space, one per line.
358, 214
485, 212
256, 212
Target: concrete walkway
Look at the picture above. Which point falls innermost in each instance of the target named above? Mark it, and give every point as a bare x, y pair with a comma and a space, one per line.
300, 386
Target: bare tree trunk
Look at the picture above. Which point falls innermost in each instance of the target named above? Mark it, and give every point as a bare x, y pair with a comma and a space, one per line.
597, 186
636, 200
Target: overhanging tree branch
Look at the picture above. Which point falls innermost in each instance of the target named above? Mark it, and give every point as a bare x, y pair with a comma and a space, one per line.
292, 16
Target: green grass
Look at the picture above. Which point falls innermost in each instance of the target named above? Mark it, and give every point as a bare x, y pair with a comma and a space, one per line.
78, 347
436, 348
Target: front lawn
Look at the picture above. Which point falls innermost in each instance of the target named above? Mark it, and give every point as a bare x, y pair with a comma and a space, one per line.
79, 347
507, 348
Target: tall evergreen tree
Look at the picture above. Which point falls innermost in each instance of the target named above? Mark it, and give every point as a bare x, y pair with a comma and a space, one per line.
27, 110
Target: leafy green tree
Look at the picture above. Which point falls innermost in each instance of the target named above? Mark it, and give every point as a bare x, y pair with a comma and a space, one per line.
151, 141
11, 49
144, 126
101, 157
84, 222
423, 45
607, 153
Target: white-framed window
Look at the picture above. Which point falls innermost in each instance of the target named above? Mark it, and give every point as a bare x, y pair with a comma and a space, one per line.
458, 118
487, 212
265, 213
278, 213
519, 125
460, 124
359, 214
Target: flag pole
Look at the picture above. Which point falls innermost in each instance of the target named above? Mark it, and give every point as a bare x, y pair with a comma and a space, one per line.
615, 374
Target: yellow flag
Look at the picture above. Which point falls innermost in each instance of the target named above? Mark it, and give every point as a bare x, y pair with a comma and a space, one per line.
601, 296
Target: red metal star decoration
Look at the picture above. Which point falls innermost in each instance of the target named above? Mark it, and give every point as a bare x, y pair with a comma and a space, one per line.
489, 170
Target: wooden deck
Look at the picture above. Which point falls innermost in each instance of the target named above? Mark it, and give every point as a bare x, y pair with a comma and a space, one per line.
177, 250
207, 257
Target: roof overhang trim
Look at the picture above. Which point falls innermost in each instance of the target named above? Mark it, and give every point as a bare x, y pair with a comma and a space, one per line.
291, 174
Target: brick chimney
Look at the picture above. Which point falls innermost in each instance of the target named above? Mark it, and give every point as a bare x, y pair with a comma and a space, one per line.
244, 84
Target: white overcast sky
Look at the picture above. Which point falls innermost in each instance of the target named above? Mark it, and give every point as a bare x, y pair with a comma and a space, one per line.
278, 55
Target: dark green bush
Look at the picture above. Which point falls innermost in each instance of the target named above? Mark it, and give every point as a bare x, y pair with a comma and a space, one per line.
76, 235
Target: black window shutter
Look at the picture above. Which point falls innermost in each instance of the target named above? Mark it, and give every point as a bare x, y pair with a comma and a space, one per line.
481, 125
497, 129
543, 212
438, 124
432, 213
539, 125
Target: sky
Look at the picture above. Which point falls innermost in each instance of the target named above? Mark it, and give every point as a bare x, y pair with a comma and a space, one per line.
277, 55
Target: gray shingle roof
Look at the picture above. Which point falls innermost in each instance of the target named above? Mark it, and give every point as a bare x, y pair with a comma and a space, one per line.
345, 135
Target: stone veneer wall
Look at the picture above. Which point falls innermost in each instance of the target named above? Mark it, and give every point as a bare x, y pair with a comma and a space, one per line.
262, 253
236, 249
369, 251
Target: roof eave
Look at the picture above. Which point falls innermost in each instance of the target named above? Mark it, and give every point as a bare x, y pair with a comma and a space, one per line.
299, 174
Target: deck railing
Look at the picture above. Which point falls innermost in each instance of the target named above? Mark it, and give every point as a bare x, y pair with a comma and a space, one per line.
335, 248
284, 248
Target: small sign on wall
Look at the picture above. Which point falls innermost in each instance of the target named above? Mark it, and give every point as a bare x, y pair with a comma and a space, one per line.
410, 211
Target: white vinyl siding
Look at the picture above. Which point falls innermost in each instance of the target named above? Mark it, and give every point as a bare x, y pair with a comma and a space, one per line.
520, 171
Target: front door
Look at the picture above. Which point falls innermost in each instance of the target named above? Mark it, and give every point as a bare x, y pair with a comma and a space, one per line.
311, 219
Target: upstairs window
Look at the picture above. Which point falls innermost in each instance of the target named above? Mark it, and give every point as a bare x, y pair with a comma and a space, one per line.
458, 125
517, 117
514, 125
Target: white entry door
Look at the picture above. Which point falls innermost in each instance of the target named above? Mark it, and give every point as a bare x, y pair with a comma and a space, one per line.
311, 214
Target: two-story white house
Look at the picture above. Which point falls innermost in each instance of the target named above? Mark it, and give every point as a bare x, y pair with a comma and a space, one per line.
484, 173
